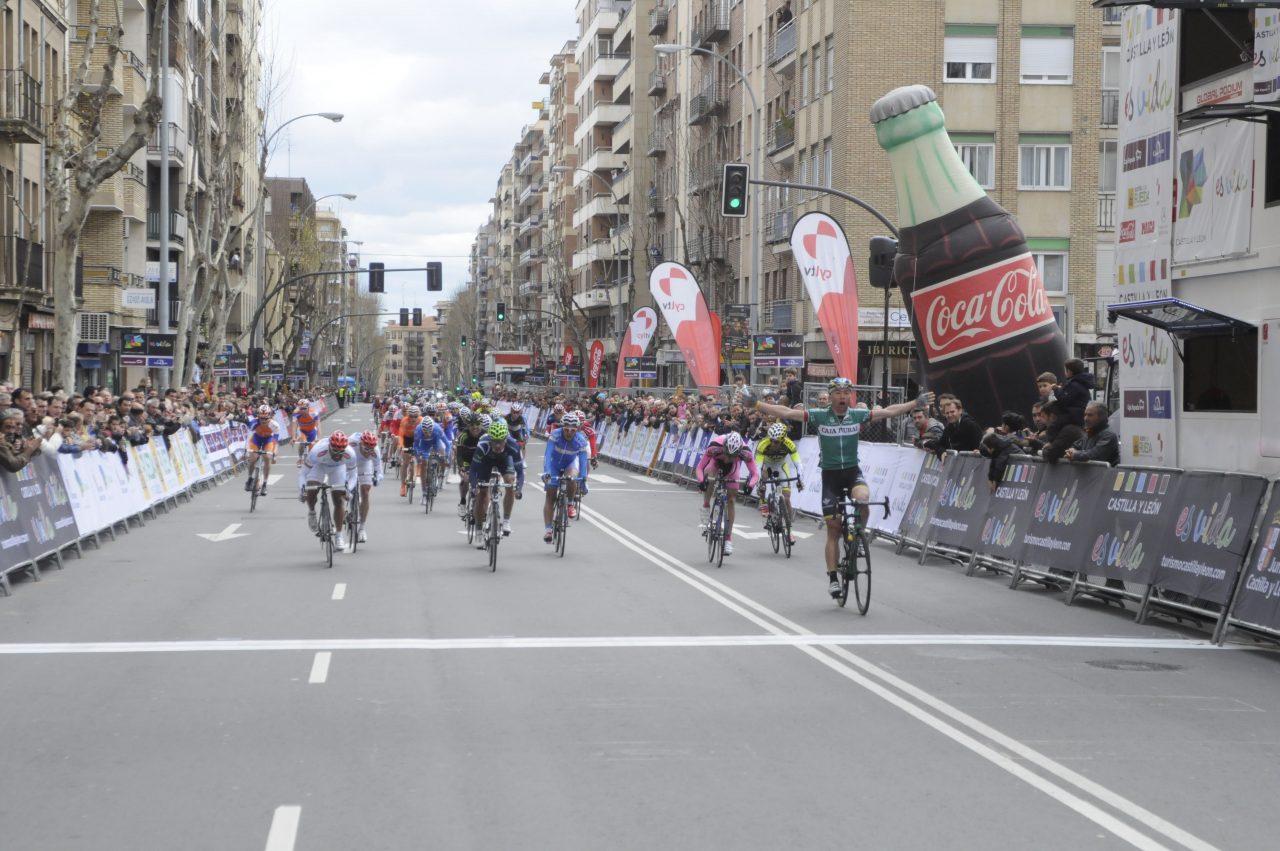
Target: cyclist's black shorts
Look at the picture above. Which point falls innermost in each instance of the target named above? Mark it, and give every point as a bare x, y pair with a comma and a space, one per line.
834, 485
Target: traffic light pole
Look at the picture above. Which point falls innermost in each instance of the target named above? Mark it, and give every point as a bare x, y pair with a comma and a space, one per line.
827, 190
280, 287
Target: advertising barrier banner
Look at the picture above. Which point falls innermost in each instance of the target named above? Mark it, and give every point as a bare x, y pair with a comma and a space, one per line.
916, 517
1060, 531
1258, 601
1010, 509
1127, 517
1201, 551
960, 503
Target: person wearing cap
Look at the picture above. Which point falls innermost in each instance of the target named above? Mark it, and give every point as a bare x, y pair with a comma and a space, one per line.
838, 427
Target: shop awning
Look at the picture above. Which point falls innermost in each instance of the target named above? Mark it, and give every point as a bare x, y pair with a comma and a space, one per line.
1241, 111
1178, 317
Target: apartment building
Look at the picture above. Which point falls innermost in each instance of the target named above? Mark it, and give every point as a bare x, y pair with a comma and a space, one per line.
559, 203
414, 356
33, 49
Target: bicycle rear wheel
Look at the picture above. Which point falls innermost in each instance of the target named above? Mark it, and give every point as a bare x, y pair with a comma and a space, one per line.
353, 518
771, 525
428, 490
326, 529
862, 573
495, 527
784, 531
253, 495
471, 519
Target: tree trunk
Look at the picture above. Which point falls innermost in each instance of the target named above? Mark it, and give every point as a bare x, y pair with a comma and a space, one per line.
66, 334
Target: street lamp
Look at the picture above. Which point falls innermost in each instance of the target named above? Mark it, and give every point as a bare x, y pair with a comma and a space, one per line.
754, 294
255, 341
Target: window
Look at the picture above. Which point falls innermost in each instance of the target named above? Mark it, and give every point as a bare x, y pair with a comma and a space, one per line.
969, 59
980, 159
831, 64
1044, 166
1220, 373
1052, 266
804, 78
817, 167
1107, 165
826, 155
817, 72
1110, 87
1048, 54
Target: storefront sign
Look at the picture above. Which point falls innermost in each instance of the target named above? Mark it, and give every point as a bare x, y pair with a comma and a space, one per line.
41, 321
154, 351
777, 350
895, 348
136, 297
643, 366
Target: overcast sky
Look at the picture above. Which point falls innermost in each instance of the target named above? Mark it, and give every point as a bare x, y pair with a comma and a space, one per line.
434, 93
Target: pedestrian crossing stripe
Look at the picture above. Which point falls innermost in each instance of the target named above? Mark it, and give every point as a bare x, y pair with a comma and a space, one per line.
605, 480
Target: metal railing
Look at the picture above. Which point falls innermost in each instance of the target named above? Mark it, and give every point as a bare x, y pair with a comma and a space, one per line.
658, 21
1110, 107
177, 225
782, 43
781, 134
780, 222
21, 115
1106, 211
657, 143
657, 82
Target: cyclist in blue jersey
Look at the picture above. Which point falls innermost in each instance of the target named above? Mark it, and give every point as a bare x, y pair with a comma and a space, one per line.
567, 456
428, 439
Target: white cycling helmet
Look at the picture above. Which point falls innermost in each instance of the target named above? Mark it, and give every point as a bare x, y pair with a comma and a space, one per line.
485, 421
428, 423
264, 410
733, 443
415, 411
776, 431
570, 420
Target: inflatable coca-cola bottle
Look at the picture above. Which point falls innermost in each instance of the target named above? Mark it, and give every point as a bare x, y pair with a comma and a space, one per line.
978, 309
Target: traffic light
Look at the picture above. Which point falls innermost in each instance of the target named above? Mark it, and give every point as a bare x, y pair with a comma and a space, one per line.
417, 316
733, 198
435, 276
464, 341
404, 316
502, 311
377, 279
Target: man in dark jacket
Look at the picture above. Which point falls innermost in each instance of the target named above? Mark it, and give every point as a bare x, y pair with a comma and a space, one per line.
1099, 443
1076, 392
961, 432
1061, 434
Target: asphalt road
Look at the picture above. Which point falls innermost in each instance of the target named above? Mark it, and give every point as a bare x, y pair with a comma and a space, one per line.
175, 692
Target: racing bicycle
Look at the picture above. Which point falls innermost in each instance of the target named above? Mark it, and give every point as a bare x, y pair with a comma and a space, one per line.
560, 515
778, 521
493, 518
255, 479
854, 567
715, 531
324, 527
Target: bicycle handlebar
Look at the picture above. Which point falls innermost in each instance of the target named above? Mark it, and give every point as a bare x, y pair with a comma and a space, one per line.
871, 502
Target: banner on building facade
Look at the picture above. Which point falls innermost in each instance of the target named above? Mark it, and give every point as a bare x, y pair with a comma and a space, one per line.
822, 252
678, 296
1145, 183
1215, 191
640, 366
1266, 55
777, 350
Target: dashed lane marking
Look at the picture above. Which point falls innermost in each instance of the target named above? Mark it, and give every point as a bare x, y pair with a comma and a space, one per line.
320, 668
284, 829
340, 591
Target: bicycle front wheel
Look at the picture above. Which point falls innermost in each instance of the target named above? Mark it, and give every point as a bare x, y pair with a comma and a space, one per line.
253, 495
771, 525
784, 532
326, 530
495, 528
561, 521
861, 577
714, 532
353, 519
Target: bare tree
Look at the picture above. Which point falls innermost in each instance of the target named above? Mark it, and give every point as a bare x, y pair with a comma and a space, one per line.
76, 162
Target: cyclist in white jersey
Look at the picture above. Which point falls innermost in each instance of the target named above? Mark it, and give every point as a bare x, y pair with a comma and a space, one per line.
330, 462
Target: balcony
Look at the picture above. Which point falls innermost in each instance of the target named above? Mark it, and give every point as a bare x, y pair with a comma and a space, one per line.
1106, 211
776, 316
177, 146
529, 257
528, 192
657, 143
1112, 14
30, 274
657, 83
713, 24
1110, 108
706, 103
529, 225
110, 193
526, 166
103, 275
780, 135
656, 207
706, 249
600, 205
658, 21
175, 311
705, 176
603, 114
779, 224
177, 226
21, 115
782, 44
602, 159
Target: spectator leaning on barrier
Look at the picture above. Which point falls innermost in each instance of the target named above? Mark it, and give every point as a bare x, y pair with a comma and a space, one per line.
15, 452
962, 432
1062, 434
924, 432
999, 448
1076, 391
1099, 443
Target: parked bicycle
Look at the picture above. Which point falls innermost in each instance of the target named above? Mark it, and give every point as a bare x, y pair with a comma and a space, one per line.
854, 567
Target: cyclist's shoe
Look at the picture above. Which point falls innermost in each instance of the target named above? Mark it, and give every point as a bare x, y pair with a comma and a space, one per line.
362, 536
402, 490
506, 527
728, 548
573, 512
302, 494
312, 521
263, 492
547, 536
834, 588
704, 518
791, 539
248, 485
339, 541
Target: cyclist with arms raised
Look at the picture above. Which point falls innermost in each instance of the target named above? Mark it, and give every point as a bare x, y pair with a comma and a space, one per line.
838, 428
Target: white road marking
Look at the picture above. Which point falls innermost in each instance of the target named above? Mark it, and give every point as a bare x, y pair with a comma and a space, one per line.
284, 829
226, 534
340, 591
273, 478
645, 479
775, 639
320, 668
879, 682
603, 479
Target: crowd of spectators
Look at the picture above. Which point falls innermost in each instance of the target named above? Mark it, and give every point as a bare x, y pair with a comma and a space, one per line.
97, 420
1065, 424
